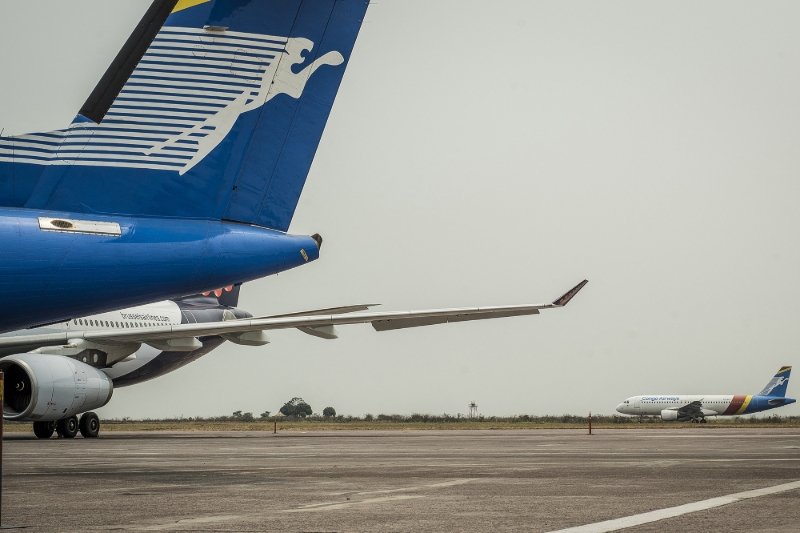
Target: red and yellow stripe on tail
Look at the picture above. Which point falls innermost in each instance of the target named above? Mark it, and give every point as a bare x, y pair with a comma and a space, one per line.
738, 405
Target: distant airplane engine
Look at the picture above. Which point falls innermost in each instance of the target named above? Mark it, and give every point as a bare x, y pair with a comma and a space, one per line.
669, 415
44, 387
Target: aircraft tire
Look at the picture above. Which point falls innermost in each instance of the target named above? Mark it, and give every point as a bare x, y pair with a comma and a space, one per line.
67, 427
44, 430
89, 425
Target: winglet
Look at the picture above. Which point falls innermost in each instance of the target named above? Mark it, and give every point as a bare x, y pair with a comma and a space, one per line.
564, 300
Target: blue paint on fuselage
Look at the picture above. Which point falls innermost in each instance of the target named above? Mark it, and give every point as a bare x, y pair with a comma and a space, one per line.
50, 276
765, 403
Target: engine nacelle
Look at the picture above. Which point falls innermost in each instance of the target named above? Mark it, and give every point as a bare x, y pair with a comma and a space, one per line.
44, 387
669, 415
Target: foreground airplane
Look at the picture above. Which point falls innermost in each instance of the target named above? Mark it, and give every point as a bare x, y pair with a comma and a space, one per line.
183, 168
696, 408
73, 367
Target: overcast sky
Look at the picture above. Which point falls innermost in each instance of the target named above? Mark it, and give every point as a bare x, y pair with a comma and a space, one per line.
484, 153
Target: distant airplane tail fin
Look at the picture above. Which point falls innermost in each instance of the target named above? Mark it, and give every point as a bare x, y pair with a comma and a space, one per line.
226, 296
777, 385
213, 109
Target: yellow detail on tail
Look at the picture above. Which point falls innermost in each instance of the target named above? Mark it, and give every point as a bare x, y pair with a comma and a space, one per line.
185, 4
745, 403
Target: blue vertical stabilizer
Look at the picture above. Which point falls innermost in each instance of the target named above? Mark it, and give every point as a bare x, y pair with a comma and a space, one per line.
778, 384
217, 113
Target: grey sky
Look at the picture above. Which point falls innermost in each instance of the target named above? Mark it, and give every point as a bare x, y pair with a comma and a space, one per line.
487, 153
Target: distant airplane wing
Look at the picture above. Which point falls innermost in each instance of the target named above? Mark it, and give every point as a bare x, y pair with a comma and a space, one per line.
320, 325
692, 409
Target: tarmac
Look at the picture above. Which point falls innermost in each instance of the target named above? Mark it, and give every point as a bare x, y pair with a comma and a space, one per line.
688, 479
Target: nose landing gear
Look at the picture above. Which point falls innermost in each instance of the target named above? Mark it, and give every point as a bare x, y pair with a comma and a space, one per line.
68, 428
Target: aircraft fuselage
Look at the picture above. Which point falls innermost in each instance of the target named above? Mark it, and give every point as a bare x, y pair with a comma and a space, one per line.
57, 266
711, 405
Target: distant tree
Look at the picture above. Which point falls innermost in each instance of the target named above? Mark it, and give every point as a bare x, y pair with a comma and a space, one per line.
237, 414
265, 414
329, 412
303, 410
296, 407
248, 417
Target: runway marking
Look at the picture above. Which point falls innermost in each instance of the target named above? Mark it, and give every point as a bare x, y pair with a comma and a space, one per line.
182, 523
722, 435
671, 512
341, 505
418, 487
326, 506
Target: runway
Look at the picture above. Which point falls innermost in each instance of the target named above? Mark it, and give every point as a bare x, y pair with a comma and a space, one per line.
690, 479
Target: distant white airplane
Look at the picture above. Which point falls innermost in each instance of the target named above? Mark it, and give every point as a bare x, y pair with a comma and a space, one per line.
696, 408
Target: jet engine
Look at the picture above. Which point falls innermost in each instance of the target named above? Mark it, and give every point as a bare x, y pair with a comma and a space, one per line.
44, 387
669, 415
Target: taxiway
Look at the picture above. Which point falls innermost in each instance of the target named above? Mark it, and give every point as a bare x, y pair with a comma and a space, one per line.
426, 481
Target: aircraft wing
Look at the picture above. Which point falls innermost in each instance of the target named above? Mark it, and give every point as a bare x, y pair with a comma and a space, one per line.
692, 409
327, 311
320, 325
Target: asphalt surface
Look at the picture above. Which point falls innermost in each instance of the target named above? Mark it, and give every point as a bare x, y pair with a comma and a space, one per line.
534, 480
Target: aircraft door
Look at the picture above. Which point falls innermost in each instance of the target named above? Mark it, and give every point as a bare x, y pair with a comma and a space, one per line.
637, 403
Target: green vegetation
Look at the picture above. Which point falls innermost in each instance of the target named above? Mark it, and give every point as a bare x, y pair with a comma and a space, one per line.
296, 408
239, 421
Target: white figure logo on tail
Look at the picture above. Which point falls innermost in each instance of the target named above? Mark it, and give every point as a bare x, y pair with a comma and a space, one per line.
772, 386
278, 78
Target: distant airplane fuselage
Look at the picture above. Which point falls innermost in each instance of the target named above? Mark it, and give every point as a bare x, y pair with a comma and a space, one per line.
695, 407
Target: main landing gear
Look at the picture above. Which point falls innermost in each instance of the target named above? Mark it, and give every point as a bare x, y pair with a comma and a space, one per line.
700, 420
68, 428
